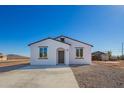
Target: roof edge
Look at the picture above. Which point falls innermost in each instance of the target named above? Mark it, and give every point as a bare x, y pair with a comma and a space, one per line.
46, 39
38, 41
74, 40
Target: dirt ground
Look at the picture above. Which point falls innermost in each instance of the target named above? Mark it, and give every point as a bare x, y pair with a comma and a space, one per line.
100, 75
13, 62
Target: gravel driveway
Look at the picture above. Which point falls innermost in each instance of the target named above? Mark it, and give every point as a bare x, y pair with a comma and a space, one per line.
39, 77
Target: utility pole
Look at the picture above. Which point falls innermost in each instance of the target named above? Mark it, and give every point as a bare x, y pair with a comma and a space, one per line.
122, 50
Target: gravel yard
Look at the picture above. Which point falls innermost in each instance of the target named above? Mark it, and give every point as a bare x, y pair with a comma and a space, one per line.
100, 75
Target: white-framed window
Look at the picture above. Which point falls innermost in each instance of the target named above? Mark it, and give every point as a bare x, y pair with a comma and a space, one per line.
43, 52
79, 52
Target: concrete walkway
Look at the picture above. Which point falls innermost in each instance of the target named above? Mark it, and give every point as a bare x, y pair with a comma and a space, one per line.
39, 77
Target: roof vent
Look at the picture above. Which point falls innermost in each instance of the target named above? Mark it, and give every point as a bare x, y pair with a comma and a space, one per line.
62, 39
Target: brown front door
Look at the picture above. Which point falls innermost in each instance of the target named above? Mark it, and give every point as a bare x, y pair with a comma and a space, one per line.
60, 57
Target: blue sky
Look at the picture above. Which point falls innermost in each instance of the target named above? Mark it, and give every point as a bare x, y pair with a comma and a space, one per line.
101, 26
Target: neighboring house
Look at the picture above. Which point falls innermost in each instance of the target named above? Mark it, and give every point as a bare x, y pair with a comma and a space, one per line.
60, 50
3, 57
100, 56
114, 58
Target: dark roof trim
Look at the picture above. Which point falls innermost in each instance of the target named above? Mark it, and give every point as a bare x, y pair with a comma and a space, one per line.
46, 39
98, 52
74, 40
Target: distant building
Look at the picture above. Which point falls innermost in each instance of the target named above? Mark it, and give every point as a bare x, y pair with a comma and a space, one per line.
3, 57
114, 58
100, 56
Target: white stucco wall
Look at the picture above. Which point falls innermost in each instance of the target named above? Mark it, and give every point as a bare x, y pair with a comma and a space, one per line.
52, 52
72, 52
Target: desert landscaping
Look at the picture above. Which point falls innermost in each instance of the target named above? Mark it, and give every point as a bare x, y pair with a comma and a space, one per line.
13, 62
101, 74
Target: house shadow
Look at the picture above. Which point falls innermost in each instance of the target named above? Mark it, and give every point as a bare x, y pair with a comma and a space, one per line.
78, 65
30, 67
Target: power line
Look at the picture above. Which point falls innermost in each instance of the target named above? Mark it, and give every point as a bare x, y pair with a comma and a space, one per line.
122, 49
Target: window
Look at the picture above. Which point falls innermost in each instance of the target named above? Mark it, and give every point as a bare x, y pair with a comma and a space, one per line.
43, 52
79, 52
62, 39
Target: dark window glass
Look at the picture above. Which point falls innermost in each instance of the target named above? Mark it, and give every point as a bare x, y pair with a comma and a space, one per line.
43, 52
79, 52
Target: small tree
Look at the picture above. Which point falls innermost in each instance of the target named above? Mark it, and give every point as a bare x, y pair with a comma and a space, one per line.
109, 55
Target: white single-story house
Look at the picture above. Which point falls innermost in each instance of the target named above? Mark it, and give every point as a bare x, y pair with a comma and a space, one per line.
60, 50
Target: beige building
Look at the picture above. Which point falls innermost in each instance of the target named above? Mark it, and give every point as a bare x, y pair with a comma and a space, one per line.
100, 56
3, 57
